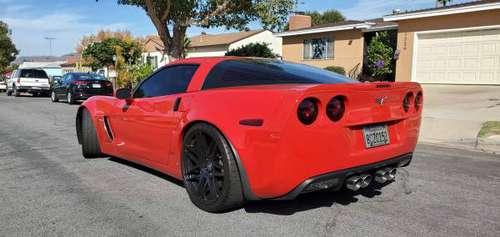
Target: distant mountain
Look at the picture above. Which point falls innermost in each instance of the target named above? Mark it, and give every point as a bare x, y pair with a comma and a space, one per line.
22, 59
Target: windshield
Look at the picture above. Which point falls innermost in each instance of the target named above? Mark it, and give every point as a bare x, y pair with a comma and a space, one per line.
33, 73
244, 72
88, 76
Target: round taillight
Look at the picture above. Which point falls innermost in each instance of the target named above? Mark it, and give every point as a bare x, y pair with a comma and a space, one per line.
418, 101
406, 102
335, 108
308, 111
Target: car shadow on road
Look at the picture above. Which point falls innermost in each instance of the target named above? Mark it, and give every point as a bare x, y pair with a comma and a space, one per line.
303, 202
147, 170
313, 200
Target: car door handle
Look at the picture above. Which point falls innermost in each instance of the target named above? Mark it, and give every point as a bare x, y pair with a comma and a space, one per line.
177, 104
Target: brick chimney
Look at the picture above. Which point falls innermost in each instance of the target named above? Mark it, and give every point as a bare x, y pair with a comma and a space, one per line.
299, 22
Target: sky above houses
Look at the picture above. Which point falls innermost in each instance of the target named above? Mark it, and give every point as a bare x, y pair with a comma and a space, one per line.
67, 21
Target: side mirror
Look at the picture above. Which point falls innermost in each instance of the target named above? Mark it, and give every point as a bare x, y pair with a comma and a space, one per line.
123, 94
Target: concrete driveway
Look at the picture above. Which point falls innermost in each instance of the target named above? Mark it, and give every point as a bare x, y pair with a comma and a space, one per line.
453, 114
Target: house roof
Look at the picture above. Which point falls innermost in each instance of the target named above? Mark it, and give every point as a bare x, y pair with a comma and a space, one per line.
367, 25
472, 6
337, 26
220, 39
154, 43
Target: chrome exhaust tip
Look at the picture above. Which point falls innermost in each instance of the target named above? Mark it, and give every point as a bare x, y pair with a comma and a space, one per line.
380, 176
365, 180
353, 183
391, 174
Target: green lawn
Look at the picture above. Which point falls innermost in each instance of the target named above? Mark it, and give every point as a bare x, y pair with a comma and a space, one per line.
490, 128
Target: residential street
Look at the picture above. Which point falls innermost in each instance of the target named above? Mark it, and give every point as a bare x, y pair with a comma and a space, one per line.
48, 189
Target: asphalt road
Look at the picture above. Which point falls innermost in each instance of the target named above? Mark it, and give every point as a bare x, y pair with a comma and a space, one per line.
48, 189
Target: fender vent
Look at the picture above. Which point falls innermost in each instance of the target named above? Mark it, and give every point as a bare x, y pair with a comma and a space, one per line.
107, 127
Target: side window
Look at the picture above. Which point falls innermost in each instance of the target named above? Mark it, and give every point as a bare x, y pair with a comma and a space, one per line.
320, 48
167, 81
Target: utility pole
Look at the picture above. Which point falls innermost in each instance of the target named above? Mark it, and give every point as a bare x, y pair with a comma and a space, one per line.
50, 39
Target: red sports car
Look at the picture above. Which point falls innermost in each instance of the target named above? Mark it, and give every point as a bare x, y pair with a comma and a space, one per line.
236, 129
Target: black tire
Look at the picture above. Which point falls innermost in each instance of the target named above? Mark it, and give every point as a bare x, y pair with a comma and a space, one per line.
9, 92
69, 98
209, 170
16, 92
53, 97
90, 143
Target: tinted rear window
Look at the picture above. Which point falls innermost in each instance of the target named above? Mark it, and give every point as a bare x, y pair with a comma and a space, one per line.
33, 73
88, 76
245, 72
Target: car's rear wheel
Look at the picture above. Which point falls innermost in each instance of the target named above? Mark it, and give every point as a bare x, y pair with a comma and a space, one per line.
53, 97
90, 143
9, 92
69, 98
209, 170
16, 92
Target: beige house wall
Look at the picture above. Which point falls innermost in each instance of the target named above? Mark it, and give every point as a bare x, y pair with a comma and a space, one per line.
407, 28
348, 50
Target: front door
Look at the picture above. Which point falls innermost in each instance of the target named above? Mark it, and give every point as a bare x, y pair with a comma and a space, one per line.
146, 123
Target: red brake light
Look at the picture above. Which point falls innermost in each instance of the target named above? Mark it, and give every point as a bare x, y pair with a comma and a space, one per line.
335, 108
406, 101
308, 111
418, 101
78, 83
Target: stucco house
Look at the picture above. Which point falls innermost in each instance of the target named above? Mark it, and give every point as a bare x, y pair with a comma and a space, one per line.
454, 44
209, 45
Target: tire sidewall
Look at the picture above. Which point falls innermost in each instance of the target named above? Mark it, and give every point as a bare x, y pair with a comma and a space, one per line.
228, 160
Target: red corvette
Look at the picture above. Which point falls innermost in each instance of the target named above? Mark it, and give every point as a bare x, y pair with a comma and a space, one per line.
236, 129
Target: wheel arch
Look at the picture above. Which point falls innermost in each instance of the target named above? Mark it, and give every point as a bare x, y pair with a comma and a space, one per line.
245, 184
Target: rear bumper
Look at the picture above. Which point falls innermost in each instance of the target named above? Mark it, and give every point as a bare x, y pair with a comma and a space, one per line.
335, 180
83, 95
32, 89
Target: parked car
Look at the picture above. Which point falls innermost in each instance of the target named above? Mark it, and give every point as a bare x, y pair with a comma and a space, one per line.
30, 80
77, 86
3, 85
236, 129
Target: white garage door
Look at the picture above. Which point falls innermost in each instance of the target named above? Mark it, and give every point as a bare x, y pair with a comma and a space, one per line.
465, 57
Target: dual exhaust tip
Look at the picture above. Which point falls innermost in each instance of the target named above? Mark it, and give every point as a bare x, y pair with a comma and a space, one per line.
357, 182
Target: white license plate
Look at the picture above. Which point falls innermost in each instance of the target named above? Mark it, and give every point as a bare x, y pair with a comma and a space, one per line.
96, 85
35, 88
377, 135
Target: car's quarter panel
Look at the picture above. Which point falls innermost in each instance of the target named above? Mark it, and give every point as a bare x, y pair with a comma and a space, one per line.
283, 152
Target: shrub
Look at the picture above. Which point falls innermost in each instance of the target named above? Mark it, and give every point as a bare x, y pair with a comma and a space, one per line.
253, 50
337, 69
380, 56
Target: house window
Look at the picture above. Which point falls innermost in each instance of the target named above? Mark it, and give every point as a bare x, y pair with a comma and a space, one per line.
152, 60
320, 48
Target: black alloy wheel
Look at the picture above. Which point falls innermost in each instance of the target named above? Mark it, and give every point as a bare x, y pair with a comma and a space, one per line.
209, 170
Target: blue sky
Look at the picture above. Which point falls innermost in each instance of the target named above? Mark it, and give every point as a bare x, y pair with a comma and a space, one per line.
69, 20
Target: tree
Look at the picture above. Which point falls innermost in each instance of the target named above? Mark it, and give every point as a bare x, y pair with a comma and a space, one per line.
171, 18
329, 16
107, 52
380, 55
8, 51
443, 2
253, 50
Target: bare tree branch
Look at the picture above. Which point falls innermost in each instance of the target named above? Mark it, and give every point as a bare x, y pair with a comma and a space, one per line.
164, 17
219, 10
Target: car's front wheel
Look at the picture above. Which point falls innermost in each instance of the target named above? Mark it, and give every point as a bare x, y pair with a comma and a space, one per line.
53, 97
209, 170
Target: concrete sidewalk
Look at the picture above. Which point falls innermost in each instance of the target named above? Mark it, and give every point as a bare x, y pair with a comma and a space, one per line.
453, 115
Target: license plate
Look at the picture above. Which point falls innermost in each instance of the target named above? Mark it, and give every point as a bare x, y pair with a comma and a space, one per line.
96, 85
35, 88
376, 136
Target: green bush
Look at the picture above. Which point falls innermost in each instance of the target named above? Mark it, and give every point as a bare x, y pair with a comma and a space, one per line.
337, 69
380, 55
253, 50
